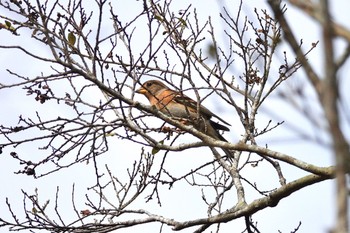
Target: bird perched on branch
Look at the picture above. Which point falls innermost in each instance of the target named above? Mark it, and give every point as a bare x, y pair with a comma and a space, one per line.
183, 108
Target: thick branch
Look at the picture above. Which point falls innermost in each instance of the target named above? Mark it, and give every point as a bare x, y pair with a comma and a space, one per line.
330, 104
291, 39
259, 204
313, 10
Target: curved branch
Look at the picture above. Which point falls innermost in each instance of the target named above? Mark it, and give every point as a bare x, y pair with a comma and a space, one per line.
259, 204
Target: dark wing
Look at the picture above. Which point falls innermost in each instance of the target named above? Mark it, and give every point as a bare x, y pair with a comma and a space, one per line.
190, 103
218, 126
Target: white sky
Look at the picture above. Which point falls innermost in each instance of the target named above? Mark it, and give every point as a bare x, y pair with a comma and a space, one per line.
314, 205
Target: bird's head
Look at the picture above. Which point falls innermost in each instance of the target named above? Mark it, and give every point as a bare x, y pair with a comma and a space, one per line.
151, 88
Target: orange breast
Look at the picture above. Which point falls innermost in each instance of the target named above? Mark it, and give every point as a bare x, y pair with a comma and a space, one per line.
162, 100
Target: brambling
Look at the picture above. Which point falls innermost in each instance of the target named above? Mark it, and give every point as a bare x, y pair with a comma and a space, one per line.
179, 106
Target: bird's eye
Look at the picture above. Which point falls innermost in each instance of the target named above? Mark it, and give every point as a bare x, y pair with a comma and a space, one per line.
148, 84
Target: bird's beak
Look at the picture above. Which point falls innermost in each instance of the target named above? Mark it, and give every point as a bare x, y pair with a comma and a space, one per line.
141, 90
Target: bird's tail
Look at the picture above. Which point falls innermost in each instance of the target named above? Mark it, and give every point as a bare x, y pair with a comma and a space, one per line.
217, 127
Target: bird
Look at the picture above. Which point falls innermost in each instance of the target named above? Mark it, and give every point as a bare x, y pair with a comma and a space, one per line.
179, 106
